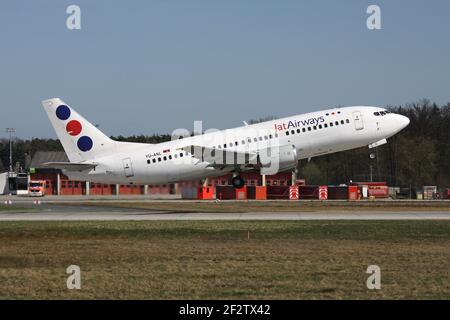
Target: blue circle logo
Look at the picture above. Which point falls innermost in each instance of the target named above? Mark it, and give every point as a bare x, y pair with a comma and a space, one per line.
85, 144
63, 112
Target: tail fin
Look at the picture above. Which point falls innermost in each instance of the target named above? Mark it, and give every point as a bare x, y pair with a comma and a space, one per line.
81, 140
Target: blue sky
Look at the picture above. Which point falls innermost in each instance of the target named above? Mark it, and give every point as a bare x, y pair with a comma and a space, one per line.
144, 67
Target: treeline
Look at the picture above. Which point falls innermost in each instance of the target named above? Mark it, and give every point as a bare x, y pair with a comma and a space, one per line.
156, 138
23, 151
417, 156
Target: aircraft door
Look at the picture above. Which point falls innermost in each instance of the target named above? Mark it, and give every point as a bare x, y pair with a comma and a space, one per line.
358, 119
128, 167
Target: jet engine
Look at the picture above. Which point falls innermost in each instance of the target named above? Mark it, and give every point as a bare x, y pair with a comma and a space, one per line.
276, 159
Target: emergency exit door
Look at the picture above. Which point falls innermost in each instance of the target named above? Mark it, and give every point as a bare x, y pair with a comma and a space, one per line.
358, 120
128, 167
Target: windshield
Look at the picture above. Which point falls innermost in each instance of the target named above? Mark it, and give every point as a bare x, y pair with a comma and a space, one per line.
35, 184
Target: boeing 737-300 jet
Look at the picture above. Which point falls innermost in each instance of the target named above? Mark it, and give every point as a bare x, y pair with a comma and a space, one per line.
268, 147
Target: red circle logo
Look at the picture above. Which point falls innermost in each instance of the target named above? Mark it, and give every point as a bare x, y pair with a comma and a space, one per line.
74, 128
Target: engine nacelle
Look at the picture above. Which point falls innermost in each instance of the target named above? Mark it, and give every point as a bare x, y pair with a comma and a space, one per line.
276, 159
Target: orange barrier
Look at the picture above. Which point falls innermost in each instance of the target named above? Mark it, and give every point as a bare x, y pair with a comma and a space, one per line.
323, 193
260, 193
293, 193
379, 192
241, 194
256, 193
352, 192
206, 193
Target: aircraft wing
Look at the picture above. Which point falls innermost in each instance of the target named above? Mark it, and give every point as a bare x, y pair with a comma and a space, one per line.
221, 158
70, 166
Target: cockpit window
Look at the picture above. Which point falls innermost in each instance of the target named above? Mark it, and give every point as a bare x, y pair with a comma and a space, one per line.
381, 113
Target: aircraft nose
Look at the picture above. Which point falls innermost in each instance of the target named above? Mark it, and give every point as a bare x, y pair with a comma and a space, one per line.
402, 121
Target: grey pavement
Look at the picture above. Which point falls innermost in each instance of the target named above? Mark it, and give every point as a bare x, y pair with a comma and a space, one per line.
123, 215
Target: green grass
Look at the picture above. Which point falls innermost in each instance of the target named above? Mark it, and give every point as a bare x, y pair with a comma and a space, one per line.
14, 208
215, 259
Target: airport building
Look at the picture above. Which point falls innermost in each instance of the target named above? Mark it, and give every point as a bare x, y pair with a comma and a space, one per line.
283, 185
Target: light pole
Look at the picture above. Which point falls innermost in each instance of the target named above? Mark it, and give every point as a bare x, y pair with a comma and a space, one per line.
10, 131
371, 156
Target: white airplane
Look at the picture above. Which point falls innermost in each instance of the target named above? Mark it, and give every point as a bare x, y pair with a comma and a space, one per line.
268, 147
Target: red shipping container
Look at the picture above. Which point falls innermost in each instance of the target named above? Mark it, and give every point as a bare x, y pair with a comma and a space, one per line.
447, 194
277, 192
309, 192
338, 193
225, 193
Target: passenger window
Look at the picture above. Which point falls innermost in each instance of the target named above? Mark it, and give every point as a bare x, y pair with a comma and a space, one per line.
231, 144
175, 155
348, 121
331, 124
165, 158
224, 145
260, 138
276, 135
298, 131
342, 121
249, 140
170, 157
265, 138
154, 160
320, 126
325, 125
270, 136
309, 128
336, 123
159, 159
315, 128
287, 133
148, 161
292, 132
255, 139
181, 155
243, 141
236, 143
303, 129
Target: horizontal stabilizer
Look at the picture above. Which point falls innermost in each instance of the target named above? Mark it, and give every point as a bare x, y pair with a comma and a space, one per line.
70, 166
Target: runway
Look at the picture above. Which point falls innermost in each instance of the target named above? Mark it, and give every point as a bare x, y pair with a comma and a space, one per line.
132, 215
